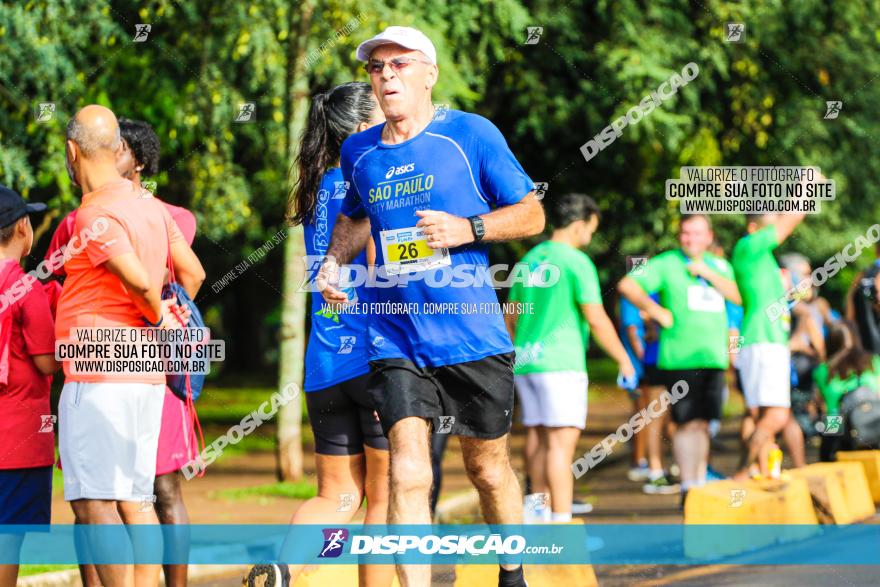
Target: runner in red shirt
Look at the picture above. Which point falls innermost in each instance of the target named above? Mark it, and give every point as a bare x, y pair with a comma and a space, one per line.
27, 362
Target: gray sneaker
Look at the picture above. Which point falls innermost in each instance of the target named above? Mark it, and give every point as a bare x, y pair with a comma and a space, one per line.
661, 486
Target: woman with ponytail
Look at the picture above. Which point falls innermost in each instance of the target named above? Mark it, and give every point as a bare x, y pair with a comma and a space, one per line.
351, 453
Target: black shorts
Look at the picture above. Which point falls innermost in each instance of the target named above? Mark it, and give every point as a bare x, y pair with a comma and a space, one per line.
651, 376
342, 419
705, 395
467, 399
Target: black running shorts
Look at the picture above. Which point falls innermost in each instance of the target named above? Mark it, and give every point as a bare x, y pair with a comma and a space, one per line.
474, 398
704, 398
342, 419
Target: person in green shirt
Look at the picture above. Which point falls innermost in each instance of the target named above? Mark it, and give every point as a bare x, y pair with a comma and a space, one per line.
765, 359
551, 347
849, 367
693, 285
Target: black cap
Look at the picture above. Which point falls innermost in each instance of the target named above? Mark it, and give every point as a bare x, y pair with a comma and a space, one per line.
13, 207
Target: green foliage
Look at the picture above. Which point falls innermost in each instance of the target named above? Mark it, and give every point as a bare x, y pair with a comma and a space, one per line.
761, 101
285, 489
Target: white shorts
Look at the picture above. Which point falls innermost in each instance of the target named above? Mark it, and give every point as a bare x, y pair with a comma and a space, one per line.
765, 371
555, 399
108, 435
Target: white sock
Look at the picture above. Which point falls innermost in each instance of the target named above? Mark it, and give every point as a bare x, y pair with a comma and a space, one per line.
557, 518
686, 485
654, 475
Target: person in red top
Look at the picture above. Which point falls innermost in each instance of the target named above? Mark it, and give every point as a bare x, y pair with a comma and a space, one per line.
27, 362
109, 422
139, 155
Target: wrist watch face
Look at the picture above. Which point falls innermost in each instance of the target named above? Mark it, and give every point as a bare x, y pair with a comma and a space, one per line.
477, 226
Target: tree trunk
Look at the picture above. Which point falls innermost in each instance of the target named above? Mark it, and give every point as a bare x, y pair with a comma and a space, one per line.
293, 304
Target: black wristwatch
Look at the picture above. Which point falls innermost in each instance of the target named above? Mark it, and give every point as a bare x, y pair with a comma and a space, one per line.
478, 228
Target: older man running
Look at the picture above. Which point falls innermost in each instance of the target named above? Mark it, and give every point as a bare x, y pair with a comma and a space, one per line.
433, 190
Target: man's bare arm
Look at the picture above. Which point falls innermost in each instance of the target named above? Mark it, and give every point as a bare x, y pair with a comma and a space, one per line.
786, 225
632, 333
603, 331
188, 269
632, 291
510, 320
520, 220
46, 364
349, 238
133, 275
727, 287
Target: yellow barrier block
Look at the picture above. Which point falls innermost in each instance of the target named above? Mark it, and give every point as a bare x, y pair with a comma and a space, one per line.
323, 575
786, 504
840, 491
536, 575
870, 460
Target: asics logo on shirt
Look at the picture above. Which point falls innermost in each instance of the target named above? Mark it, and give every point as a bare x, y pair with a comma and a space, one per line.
392, 171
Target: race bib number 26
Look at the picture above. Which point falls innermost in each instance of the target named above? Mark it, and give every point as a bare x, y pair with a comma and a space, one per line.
406, 250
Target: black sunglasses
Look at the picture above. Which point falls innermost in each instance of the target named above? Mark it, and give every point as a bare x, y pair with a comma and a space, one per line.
396, 64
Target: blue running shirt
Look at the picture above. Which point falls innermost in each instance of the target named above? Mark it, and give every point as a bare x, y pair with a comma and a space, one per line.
337, 347
459, 164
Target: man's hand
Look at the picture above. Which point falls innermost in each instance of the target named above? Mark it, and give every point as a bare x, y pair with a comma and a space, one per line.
174, 316
626, 379
444, 231
626, 368
327, 282
661, 316
698, 269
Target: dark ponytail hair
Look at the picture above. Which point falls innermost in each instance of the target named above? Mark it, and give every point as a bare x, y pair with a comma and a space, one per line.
333, 117
846, 355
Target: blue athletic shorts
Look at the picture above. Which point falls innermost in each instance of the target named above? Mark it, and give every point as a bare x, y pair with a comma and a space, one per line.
26, 496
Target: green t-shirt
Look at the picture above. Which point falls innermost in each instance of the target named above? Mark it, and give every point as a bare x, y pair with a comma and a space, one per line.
698, 337
555, 336
760, 285
833, 391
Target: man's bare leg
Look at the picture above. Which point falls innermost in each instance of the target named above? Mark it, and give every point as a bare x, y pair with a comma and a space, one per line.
411, 479
132, 514
770, 422
794, 441
9, 573
561, 443
691, 447
376, 489
537, 463
639, 443
99, 511
487, 463
172, 512
654, 432
747, 428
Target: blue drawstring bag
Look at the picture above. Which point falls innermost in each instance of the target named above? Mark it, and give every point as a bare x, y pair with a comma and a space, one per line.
185, 385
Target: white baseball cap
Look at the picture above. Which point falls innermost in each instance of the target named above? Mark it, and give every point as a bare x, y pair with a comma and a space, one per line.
404, 36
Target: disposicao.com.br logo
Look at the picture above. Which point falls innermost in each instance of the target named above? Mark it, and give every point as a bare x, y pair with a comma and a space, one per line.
456, 544
334, 542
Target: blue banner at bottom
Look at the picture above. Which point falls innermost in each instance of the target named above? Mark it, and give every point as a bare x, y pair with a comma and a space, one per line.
556, 544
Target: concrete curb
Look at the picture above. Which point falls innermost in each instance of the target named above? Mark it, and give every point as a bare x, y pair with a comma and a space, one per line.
70, 578
465, 503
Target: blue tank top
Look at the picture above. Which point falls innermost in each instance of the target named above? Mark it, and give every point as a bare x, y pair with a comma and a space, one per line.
337, 346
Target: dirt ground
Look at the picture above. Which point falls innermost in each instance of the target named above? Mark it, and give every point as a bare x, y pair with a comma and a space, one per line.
615, 499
